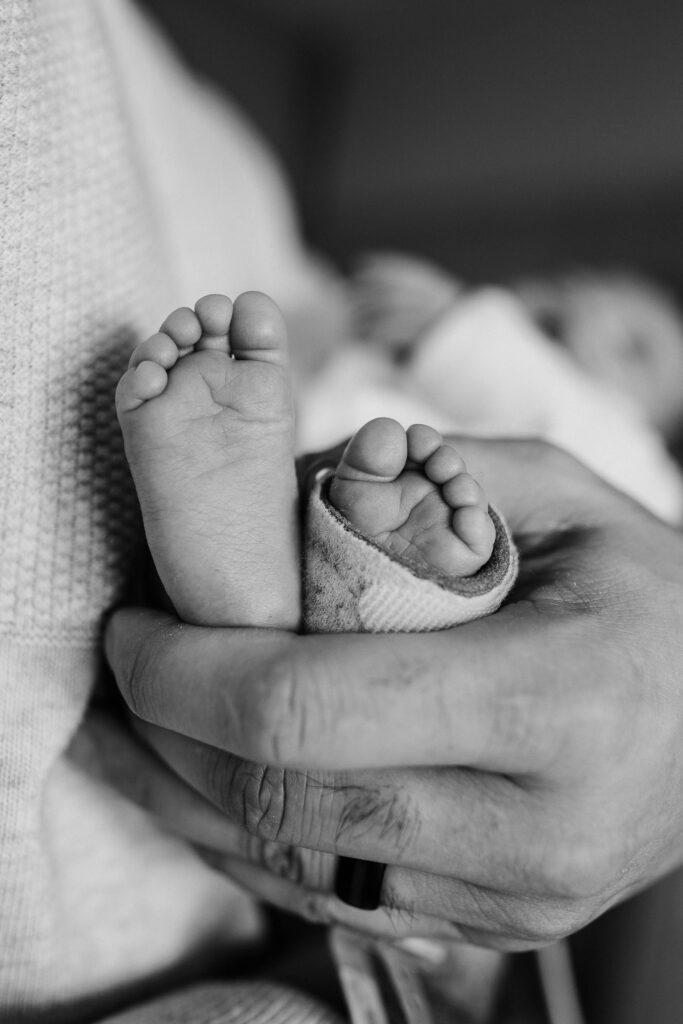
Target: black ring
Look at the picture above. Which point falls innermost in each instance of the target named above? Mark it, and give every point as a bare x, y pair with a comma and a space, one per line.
358, 883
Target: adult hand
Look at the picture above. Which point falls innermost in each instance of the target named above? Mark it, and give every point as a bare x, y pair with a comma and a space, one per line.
519, 774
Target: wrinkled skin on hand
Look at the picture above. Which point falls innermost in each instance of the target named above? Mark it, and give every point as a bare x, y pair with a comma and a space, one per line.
519, 774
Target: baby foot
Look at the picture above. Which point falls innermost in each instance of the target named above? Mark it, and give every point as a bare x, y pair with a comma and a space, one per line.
207, 419
409, 493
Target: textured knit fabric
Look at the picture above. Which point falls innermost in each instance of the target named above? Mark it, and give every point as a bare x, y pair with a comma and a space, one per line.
228, 1004
97, 903
351, 585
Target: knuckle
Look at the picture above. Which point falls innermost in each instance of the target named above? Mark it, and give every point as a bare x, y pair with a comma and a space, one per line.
594, 729
266, 800
514, 720
276, 713
265, 804
280, 859
283, 860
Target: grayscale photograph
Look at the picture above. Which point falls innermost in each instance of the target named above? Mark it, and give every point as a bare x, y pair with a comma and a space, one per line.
341, 497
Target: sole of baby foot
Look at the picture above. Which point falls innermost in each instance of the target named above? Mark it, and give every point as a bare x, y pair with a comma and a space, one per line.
206, 412
410, 493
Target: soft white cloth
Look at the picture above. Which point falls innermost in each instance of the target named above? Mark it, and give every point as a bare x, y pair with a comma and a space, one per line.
492, 370
486, 369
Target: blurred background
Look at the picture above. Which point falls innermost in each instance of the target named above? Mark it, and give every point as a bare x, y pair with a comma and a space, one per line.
496, 137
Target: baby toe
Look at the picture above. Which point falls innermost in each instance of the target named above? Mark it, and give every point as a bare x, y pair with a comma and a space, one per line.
160, 348
445, 463
183, 327
423, 441
463, 490
376, 452
214, 313
139, 385
474, 527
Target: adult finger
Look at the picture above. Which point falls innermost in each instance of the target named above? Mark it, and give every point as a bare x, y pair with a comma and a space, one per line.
510, 920
488, 694
295, 879
303, 896
455, 912
485, 829
539, 488
413, 901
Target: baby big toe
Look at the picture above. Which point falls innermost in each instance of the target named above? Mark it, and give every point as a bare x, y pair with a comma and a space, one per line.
377, 452
258, 329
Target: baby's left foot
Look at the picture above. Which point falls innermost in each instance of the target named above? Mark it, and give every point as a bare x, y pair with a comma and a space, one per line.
207, 419
409, 493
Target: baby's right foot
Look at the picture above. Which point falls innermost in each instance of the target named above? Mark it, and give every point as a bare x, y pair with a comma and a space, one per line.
207, 419
409, 493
